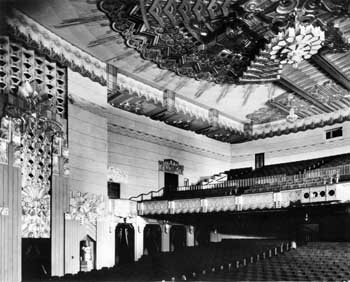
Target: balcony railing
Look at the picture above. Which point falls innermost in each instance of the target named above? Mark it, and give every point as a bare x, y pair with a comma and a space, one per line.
281, 182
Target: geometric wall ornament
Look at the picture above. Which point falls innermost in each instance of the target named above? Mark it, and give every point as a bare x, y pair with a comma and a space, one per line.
170, 166
85, 207
34, 92
117, 175
3, 152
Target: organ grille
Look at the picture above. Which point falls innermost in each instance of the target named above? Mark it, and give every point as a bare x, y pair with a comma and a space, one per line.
35, 151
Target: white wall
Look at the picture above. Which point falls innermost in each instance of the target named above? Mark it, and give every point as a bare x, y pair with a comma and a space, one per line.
292, 147
87, 138
101, 136
136, 144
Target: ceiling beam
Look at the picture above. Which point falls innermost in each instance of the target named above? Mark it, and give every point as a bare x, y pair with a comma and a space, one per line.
286, 82
332, 70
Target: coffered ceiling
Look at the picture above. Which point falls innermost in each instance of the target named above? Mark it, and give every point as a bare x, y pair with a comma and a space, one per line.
299, 89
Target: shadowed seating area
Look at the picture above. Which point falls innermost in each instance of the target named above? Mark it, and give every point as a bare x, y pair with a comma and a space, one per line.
189, 262
316, 261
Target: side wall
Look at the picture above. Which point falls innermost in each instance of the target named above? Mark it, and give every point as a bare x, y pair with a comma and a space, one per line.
292, 147
136, 144
87, 137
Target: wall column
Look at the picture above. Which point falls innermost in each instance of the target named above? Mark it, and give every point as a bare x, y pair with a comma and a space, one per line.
10, 216
189, 236
105, 243
160, 179
214, 236
165, 229
59, 206
139, 228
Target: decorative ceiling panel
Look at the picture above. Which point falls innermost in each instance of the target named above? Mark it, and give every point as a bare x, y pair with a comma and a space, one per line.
227, 41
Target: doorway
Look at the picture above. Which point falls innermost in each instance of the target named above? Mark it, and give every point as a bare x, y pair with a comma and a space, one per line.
36, 258
171, 181
177, 237
124, 244
151, 239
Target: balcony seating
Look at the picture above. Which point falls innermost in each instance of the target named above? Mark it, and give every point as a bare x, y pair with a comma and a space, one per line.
294, 175
317, 261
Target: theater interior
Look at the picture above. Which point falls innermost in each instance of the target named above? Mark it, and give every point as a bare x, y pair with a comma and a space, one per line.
175, 140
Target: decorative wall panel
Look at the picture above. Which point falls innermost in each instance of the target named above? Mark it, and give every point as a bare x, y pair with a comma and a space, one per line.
33, 91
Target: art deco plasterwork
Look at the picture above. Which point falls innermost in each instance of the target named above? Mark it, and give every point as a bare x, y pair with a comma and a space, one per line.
131, 86
46, 42
34, 94
284, 126
115, 174
227, 41
253, 201
170, 166
85, 207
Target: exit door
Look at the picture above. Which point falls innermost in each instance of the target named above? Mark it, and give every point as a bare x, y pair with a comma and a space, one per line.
171, 181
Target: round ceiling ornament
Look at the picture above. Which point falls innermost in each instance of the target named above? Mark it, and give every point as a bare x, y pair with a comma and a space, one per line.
297, 44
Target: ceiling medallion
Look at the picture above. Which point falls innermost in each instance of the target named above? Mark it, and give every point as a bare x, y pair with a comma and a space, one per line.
228, 41
297, 44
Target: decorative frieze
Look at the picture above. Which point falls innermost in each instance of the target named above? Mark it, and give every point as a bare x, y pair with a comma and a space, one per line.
284, 126
253, 201
49, 44
171, 166
187, 206
134, 87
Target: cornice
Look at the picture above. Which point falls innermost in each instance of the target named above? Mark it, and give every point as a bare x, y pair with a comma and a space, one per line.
283, 127
45, 42
132, 86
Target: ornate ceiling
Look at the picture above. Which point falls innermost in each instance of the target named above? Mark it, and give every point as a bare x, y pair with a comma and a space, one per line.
210, 54
227, 41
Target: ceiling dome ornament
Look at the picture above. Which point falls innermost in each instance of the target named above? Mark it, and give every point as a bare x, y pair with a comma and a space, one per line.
229, 41
297, 44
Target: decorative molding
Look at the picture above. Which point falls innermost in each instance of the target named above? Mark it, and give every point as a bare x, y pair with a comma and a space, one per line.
170, 166
35, 211
284, 127
169, 99
4, 211
140, 89
3, 151
85, 207
47, 43
115, 174
244, 202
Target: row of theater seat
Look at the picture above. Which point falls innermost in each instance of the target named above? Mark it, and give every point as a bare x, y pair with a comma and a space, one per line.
292, 168
186, 262
314, 262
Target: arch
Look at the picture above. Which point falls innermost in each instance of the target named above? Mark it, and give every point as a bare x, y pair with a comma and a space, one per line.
177, 237
152, 239
124, 243
87, 248
202, 235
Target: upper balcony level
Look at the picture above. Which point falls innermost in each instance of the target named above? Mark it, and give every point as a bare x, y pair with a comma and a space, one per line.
325, 180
